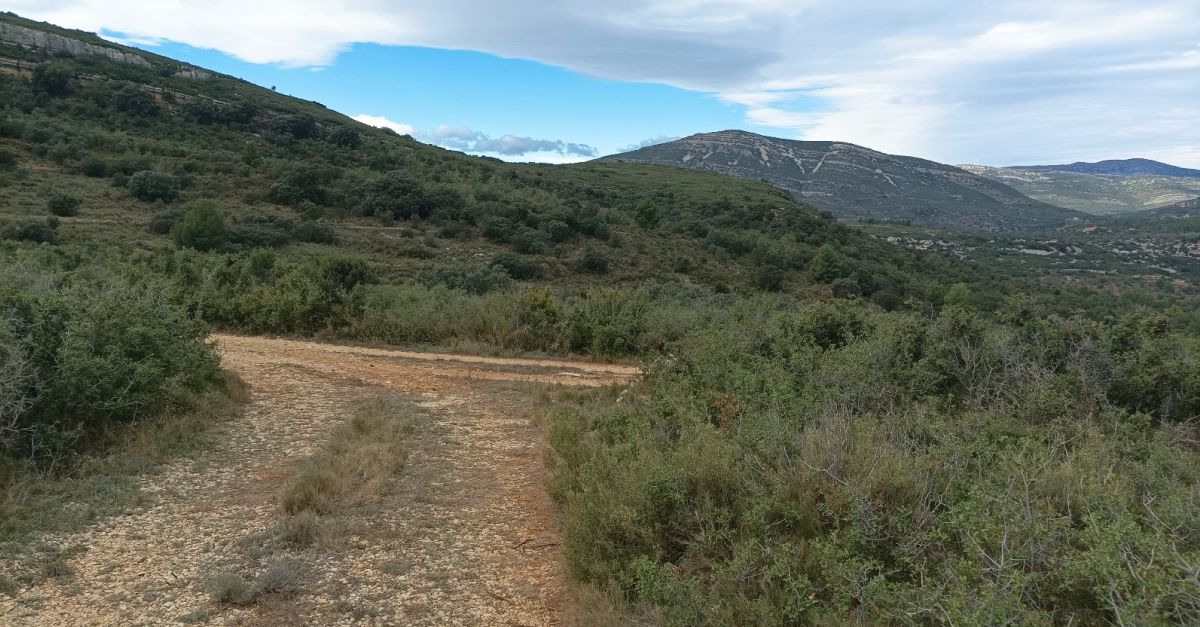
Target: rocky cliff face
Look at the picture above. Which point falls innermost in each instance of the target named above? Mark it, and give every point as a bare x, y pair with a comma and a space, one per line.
854, 182
50, 43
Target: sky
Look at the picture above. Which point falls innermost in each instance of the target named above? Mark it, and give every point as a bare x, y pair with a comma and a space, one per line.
1016, 82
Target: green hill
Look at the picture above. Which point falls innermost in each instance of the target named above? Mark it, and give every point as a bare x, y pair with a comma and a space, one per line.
856, 183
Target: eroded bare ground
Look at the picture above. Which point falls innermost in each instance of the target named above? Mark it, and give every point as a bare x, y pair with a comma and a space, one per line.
465, 537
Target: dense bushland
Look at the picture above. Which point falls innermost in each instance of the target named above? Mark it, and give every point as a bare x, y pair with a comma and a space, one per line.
839, 464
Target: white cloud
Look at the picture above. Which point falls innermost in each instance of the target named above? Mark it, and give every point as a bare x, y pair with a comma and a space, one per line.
966, 80
661, 139
508, 147
382, 122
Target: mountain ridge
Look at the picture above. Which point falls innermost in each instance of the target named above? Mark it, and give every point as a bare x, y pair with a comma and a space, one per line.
1116, 167
859, 183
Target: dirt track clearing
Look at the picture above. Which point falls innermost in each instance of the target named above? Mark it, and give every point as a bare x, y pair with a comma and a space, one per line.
465, 536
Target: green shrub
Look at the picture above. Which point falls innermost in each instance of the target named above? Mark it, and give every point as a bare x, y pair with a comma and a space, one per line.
558, 231
769, 277
53, 78
607, 322
292, 127
8, 160
93, 167
152, 186
845, 288
314, 233
202, 227
345, 138
135, 101
886, 300
297, 299
958, 295
827, 264
257, 234
515, 266
43, 232
398, 195
594, 261
528, 241
470, 278
162, 222
98, 353
63, 205
201, 111
645, 213
497, 228
302, 185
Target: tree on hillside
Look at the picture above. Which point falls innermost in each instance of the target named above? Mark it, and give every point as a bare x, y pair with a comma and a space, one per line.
645, 213
202, 227
959, 295
135, 101
826, 264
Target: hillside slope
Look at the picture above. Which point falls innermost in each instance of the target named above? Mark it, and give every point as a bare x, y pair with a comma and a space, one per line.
856, 183
1094, 193
134, 140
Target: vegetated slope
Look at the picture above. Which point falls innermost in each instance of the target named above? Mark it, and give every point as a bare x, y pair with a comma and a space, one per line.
1183, 209
1092, 192
1178, 221
1117, 167
857, 183
135, 143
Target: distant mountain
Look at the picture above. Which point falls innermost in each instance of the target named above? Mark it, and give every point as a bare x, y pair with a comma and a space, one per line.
857, 183
1094, 193
1117, 167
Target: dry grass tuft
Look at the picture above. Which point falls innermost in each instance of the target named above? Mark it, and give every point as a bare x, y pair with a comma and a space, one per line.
282, 578
304, 529
229, 588
362, 456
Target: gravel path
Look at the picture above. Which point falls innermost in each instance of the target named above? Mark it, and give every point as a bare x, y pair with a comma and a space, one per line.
465, 536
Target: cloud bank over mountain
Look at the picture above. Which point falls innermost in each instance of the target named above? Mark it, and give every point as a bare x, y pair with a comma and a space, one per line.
475, 142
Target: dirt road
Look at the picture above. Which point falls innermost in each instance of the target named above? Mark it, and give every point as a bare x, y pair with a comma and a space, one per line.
465, 537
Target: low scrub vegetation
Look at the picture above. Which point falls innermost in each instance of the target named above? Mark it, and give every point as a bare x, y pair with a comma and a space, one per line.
840, 464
